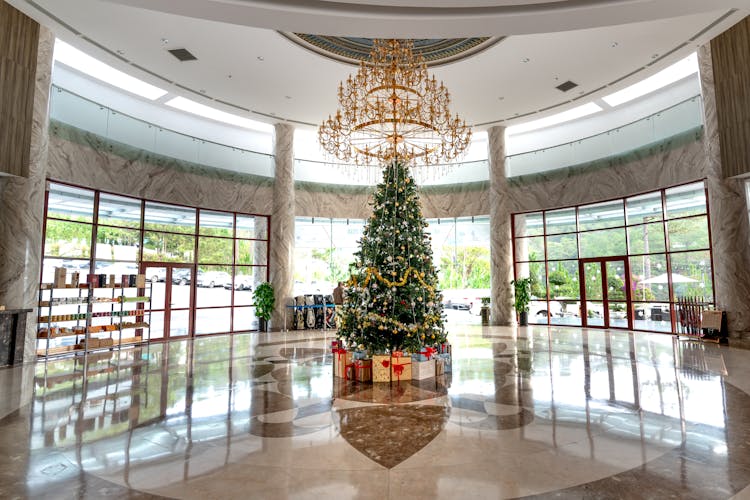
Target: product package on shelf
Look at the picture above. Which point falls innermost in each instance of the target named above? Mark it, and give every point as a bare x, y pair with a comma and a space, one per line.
363, 370
341, 360
421, 370
381, 368
74, 279
60, 275
446, 362
140, 281
401, 368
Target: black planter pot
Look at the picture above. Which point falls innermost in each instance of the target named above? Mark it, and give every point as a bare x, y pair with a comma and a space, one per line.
523, 318
262, 324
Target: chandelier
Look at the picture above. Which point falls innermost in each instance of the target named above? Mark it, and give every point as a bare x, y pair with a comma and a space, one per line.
392, 109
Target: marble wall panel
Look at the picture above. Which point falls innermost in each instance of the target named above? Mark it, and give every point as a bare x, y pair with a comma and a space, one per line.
501, 252
282, 223
84, 159
730, 228
22, 205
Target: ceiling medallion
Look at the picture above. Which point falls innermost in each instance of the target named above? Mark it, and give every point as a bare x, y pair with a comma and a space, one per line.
352, 50
392, 109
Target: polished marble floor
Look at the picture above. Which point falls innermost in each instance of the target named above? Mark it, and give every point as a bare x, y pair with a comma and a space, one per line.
540, 412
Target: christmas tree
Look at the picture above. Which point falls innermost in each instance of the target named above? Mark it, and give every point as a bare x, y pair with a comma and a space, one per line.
392, 301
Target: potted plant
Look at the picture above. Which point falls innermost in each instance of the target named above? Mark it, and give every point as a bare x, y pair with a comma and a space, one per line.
264, 303
485, 311
522, 288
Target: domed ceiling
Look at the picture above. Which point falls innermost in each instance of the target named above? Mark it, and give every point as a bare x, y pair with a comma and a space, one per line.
504, 61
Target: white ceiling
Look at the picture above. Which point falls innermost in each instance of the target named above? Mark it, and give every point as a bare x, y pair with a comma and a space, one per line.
243, 62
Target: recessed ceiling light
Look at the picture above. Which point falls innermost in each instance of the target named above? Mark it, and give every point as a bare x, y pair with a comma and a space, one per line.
287, 97
654, 56
164, 41
74, 58
260, 58
121, 52
229, 76
500, 98
272, 113
525, 60
614, 44
203, 91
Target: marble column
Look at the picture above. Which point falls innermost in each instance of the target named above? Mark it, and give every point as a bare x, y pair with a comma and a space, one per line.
501, 255
730, 231
282, 222
22, 207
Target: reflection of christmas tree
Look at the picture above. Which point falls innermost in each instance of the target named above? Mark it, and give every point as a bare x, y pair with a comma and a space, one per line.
391, 298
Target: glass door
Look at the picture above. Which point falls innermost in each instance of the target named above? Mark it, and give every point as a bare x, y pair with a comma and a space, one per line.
605, 292
172, 299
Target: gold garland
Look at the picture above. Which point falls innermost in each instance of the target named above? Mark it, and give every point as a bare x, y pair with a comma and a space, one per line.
370, 271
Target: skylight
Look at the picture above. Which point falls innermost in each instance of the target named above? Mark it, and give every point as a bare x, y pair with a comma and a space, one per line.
74, 58
565, 116
675, 72
214, 114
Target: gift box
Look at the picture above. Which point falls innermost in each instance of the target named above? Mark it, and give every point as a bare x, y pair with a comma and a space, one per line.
401, 368
425, 354
421, 370
445, 348
341, 359
363, 370
439, 366
360, 355
381, 368
446, 358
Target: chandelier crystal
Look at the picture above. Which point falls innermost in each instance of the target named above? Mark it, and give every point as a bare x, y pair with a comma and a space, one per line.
392, 109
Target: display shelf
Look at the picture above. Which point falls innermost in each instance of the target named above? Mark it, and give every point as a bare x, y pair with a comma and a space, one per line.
65, 313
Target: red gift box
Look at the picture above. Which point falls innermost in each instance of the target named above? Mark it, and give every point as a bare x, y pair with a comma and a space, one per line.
363, 370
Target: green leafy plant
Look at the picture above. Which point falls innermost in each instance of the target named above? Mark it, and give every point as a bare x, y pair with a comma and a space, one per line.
265, 300
485, 301
522, 294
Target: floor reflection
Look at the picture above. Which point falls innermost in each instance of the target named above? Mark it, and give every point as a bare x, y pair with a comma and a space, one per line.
598, 411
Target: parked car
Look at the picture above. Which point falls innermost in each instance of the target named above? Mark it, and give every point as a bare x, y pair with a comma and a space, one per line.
156, 274
212, 279
181, 276
241, 282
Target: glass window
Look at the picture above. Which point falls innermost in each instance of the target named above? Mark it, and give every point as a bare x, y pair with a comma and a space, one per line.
161, 217
216, 224
563, 246
691, 275
601, 215
251, 252
245, 319
604, 243
644, 208
117, 243
70, 203
67, 239
212, 321
688, 234
561, 221
563, 280
246, 279
529, 224
214, 286
249, 226
646, 238
530, 249
648, 276
215, 250
119, 211
686, 200
166, 247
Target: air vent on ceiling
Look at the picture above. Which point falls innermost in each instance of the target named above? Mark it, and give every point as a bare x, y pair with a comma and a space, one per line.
183, 55
565, 86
